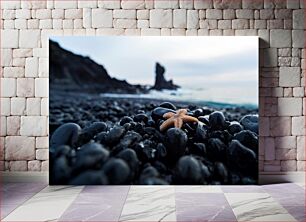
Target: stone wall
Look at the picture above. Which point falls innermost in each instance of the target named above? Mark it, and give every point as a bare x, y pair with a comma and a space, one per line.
26, 25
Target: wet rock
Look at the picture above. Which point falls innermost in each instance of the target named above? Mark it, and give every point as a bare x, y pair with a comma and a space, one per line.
204, 119
117, 171
201, 132
153, 181
90, 177
66, 134
61, 171
91, 156
221, 173
198, 112
242, 158
188, 171
125, 119
217, 121
88, 133
168, 105
130, 157
161, 151
114, 135
216, 149
248, 139
158, 113
141, 118
250, 122
234, 127
176, 141
198, 149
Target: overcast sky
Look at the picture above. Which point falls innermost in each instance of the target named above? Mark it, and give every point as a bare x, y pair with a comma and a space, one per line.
198, 62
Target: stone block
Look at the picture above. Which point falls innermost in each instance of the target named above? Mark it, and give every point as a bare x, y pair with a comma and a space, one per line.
18, 166
18, 106
269, 148
160, 18
42, 142
142, 24
13, 125
110, 4
33, 106
214, 14
280, 126
186, 4
125, 23
29, 38
285, 142
150, 32
301, 166
31, 67
252, 4
293, 4
240, 24
58, 13
280, 38
87, 4
298, 19
289, 76
301, 148
73, 13
33, 126
289, 107
9, 38
41, 87
245, 14
298, 125
298, 38
66, 4
5, 106
179, 18
288, 165
102, 18
285, 154
10, 5
3, 131
13, 72
44, 107
192, 19
45, 165
22, 53
203, 4
34, 165
143, 14
133, 4
86, 18
19, 148
43, 13
224, 24
227, 4
20, 23
25, 87
43, 67
42, 154
298, 92
8, 87
166, 4
124, 14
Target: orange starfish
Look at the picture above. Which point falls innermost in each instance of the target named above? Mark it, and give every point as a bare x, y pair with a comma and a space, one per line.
176, 119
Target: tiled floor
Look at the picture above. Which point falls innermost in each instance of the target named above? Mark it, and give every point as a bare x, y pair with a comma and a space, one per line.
39, 202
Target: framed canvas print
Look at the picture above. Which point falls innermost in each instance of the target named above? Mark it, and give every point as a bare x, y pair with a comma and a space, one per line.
153, 110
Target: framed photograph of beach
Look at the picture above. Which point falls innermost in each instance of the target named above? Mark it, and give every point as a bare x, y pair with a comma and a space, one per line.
153, 110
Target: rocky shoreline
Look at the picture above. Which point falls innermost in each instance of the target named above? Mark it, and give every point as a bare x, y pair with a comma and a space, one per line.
96, 140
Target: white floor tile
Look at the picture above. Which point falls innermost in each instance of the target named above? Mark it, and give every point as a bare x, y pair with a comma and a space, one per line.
149, 203
47, 205
257, 207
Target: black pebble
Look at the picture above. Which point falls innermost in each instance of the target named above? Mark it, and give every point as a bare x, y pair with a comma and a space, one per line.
176, 141
90, 177
66, 134
117, 171
217, 121
188, 171
168, 105
250, 122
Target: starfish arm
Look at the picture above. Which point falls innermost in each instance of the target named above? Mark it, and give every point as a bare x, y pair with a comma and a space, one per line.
189, 119
182, 112
166, 124
168, 115
178, 123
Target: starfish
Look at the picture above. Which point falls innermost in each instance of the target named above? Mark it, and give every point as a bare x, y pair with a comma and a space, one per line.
176, 119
